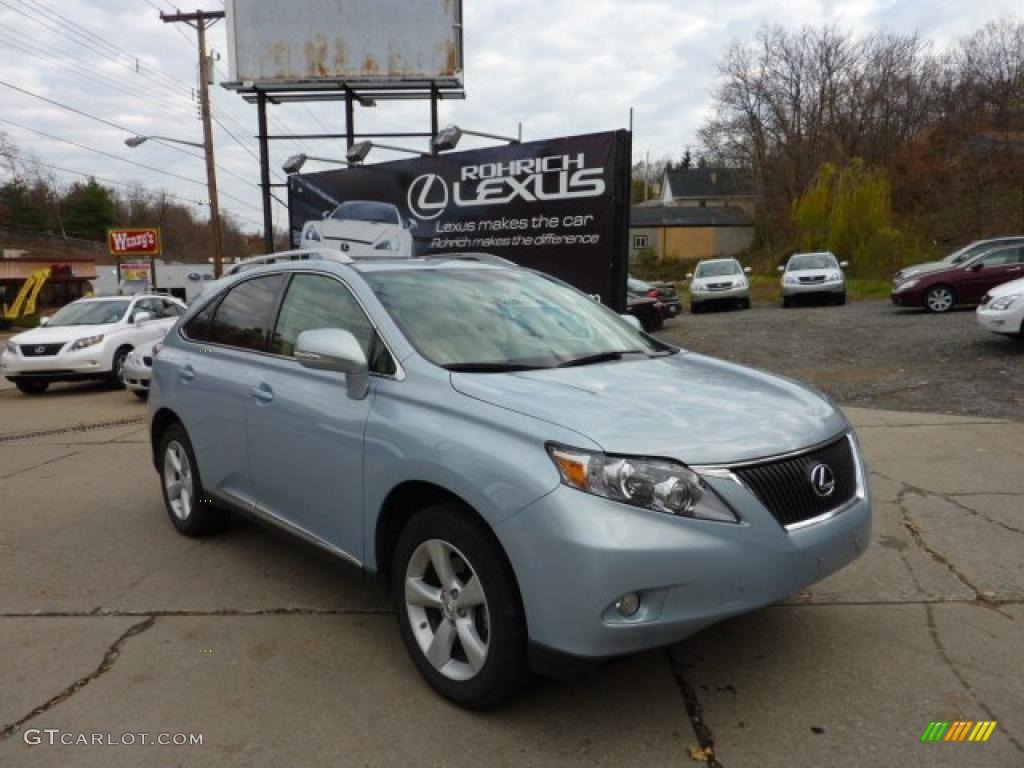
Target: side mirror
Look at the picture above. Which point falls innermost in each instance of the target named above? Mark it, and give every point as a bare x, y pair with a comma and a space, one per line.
142, 317
689, 275
748, 271
44, 320
844, 264
332, 349
781, 269
977, 267
632, 320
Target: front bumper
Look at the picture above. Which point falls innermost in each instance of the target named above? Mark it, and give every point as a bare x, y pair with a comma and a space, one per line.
912, 297
87, 363
1006, 321
575, 554
833, 287
726, 294
137, 374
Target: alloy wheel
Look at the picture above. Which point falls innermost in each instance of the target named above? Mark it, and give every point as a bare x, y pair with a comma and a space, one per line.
447, 610
939, 299
178, 480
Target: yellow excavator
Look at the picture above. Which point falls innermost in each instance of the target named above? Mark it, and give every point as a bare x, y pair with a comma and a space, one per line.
25, 301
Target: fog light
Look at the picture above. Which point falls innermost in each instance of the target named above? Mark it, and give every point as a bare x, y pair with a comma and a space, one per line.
628, 604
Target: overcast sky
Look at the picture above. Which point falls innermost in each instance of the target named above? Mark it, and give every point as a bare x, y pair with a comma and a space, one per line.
559, 66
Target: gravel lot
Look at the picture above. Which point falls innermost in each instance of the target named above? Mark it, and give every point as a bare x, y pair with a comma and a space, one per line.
871, 354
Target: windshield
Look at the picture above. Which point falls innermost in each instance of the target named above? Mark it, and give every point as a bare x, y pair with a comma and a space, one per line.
488, 319
637, 286
812, 261
718, 268
91, 313
364, 211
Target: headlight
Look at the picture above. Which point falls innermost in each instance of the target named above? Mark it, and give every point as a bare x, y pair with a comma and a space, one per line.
906, 286
312, 234
836, 276
790, 280
390, 244
655, 484
696, 288
11, 347
88, 341
1005, 302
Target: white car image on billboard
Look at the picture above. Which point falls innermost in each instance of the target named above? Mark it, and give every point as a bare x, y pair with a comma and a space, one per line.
362, 229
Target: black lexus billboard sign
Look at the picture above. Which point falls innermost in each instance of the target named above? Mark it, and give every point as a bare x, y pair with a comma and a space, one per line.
560, 206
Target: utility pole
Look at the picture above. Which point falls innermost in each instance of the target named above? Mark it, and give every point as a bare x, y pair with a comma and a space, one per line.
197, 20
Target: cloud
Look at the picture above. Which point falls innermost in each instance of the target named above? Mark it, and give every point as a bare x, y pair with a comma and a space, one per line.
559, 66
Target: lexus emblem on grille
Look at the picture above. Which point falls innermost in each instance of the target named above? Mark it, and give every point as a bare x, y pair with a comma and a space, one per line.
40, 350
823, 480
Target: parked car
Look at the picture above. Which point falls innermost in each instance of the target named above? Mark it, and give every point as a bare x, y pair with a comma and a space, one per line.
813, 275
87, 339
960, 256
942, 290
138, 369
663, 292
362, 229
650, 312
531, 478
1002, 309
719, 281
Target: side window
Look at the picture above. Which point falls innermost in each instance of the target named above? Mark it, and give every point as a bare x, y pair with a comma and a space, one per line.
1001, 257
198, 328
245, 315
316, 301
170, 309
146, 305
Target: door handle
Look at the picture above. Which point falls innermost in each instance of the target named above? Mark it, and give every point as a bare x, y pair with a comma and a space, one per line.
187, 372
262, 392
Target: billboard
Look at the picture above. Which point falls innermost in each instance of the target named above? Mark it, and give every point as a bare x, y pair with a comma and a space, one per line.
134, 242
358, 42
559, 205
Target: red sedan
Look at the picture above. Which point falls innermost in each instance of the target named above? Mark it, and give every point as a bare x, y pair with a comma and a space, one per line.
965, 283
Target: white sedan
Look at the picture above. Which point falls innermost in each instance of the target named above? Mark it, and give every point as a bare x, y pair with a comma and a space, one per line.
1002, 309
87, 339
362, 229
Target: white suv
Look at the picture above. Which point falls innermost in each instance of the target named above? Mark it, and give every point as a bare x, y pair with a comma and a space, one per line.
87, 339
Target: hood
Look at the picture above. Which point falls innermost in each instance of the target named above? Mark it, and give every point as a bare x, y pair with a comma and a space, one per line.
688, 407
928, 266
814, 272
51, 335
1006, 289
359, 231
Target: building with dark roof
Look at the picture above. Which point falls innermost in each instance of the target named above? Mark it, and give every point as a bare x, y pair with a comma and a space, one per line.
689, 233
708, 188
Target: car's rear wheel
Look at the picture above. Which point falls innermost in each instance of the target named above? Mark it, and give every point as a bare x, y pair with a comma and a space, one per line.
140, 393
939, 299
116, 377
188, 506
459, 611
30, 387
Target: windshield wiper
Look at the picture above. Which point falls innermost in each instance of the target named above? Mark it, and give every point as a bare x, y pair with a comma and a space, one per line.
489, 367
600, 357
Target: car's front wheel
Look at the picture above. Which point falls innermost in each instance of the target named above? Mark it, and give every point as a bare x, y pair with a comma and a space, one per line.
188, 506
31, 387
459, 610
939, 299
116, 377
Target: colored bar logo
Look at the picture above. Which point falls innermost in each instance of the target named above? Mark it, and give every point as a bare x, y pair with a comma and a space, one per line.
959, 730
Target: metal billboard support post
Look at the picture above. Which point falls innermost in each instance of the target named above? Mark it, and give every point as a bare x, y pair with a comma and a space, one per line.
350, 120
433, 118
268, 217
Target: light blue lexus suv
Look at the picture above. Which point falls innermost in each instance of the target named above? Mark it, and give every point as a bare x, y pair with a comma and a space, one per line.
532, 479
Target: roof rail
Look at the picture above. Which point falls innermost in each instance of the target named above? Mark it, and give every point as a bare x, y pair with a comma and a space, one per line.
483, 258
287, 256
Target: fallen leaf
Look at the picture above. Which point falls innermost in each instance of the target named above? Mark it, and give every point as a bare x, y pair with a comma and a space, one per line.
701, 754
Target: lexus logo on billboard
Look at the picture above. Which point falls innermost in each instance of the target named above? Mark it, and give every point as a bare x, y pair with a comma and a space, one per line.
428, 196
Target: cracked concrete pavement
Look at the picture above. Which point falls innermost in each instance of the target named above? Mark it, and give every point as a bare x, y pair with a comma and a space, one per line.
112, 623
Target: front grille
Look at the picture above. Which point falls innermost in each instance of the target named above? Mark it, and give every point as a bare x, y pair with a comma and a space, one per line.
41, 350
719, 286
819, 279
785, 487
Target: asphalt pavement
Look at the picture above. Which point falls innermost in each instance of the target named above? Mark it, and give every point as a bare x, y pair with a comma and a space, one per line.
112, 624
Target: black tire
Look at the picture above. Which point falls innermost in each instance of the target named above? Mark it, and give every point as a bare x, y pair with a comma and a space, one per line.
695, 309
940, 299
202, 518
787, 302
657, 324
141, 394
841, 299
505, 669
116, 376
745, 304
31, 387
